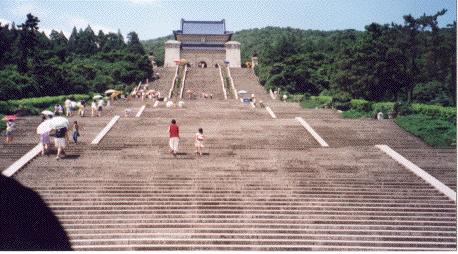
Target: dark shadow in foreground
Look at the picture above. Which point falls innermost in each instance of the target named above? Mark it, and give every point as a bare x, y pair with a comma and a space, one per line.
26, 222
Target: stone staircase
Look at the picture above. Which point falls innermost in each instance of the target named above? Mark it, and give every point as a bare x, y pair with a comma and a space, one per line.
203, 80
245, 79
25, 138
262, 184
439, 162
164, 83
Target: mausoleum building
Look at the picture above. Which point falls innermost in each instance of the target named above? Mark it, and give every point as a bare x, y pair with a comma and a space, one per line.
202, 44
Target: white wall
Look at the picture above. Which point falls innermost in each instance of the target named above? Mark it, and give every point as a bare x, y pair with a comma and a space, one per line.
233, 54
172, 53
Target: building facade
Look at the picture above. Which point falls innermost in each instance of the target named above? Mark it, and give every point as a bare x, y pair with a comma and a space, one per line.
202, 44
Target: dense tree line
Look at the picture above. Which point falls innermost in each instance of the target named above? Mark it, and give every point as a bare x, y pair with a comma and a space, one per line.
33, 65
413, 62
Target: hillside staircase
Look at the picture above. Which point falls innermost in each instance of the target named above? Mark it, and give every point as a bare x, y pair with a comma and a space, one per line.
245, 79
262, 184
203, 80
164, 83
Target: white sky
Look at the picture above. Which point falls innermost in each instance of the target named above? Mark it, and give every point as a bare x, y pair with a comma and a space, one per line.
151, 19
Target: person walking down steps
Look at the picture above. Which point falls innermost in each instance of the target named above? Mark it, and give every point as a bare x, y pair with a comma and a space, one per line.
76, 131
61, 141
174, 137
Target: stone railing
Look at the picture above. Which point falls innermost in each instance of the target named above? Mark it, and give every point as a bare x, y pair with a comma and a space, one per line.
232, 83
222, 81
173, 82
182, 80
136, 89
272, 95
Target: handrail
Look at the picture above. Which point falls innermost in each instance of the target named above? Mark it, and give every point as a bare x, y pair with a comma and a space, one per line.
272, 95
232, 83
136, 88
222, 81
173, 82
182, 80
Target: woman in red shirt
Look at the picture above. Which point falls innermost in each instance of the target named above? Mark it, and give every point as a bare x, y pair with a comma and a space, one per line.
174, 137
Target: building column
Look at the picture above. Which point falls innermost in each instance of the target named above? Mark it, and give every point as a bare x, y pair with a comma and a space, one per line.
172, 53
233, 54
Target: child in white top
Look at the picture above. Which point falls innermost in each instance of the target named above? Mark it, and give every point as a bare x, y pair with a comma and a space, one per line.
199, 142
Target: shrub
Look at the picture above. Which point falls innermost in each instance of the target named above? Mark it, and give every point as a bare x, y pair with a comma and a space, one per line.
444, 113
433, 131
2, 123
341, 101
315, 101
301, 97
361, 105
37, 104
402, 109
353, 114
383, 107
386, 105
6, 108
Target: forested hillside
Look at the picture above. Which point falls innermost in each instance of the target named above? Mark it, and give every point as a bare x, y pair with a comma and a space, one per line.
156, 48
33, 65
415, 61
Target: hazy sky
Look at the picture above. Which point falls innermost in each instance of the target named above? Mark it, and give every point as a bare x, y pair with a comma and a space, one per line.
151, 19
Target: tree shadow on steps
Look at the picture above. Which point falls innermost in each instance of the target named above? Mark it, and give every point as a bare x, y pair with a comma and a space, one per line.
71, 157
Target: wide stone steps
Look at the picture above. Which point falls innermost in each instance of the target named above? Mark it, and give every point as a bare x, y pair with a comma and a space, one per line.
439, 162
143, 196
164, 83
134, 196
212, 245
201, 80
245, 79
118, 222
256, 244
262, 184
15, 151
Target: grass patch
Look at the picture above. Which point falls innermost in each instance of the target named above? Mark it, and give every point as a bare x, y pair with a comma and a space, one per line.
435, 132
315, 101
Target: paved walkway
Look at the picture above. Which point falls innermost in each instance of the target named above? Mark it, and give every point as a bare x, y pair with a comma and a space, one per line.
262, 183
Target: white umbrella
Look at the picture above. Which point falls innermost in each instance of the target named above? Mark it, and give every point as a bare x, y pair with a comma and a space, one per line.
44, 127
97, 96
47, 112
242, 92
110, 91
58, 122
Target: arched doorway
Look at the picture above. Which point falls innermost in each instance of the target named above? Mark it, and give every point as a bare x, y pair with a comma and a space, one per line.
218, 62
202, 64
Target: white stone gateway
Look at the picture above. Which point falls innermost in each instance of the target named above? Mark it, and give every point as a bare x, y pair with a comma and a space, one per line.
202, 44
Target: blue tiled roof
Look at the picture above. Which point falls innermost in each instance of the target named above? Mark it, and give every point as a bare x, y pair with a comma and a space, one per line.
204, 46
203, 27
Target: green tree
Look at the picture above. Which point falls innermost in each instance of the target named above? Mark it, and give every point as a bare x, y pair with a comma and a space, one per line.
28, 40
59, 44
134, 45
413, 27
